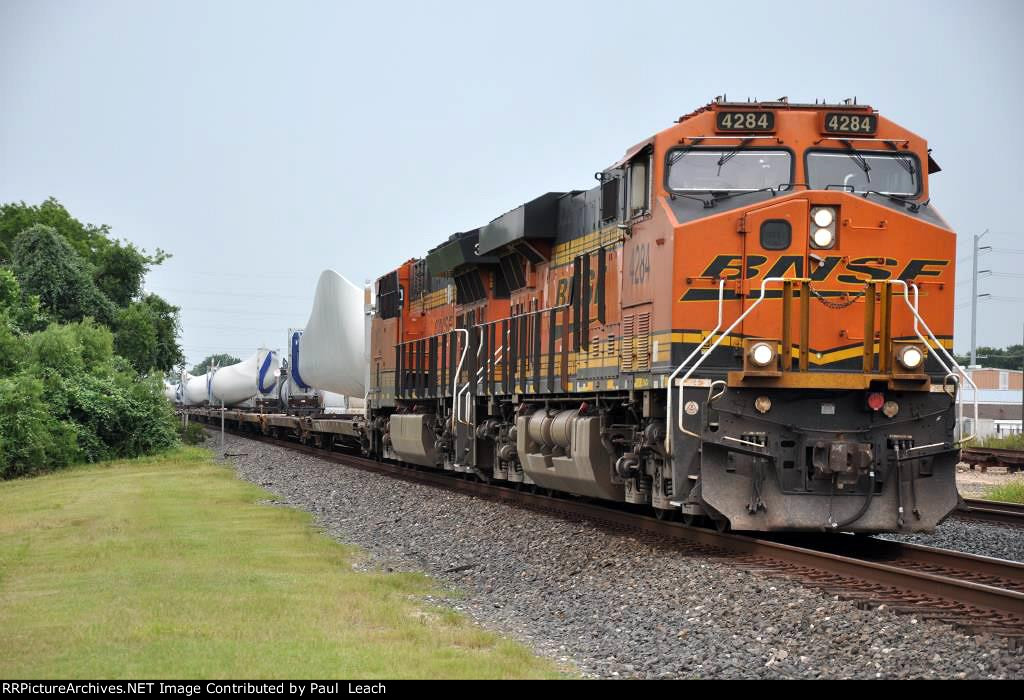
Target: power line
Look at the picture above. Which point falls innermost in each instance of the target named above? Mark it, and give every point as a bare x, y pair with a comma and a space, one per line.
235, 312
253, 295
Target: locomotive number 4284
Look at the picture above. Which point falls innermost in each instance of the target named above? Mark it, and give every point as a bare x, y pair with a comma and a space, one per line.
745, 121
839, 123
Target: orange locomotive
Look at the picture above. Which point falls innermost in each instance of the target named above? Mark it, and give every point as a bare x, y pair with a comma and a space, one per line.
747, 320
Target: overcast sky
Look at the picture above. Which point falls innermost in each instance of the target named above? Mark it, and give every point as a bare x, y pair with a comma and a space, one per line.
262, 142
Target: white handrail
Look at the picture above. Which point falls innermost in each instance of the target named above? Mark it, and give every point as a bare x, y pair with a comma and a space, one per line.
455, 379
952, 369
723, 336
952, 360
672, 377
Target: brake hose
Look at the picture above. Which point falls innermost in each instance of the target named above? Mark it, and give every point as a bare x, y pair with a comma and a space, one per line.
864, 507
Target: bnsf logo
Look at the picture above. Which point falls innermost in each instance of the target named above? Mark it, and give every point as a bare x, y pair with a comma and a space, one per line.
857, 271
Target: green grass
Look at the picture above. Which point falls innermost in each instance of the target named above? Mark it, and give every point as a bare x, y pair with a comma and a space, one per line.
172, 567
1012, 492
1010, 442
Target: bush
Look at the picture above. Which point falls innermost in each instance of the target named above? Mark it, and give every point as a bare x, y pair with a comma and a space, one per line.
77, 401
1010, 442
71, 389
192, 434
32, 439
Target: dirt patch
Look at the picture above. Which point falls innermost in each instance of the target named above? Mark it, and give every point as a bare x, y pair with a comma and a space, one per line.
974, 484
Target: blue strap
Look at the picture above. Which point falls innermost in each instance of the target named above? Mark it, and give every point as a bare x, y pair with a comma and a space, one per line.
295, 360
263, 374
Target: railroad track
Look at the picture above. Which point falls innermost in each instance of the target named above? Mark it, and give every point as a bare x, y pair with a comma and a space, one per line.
985, 457
979, 594
993, 512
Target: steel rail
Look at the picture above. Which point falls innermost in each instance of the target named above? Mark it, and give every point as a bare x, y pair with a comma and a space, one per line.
992, 511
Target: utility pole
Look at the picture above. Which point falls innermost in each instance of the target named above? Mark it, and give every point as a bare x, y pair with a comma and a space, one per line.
974, 298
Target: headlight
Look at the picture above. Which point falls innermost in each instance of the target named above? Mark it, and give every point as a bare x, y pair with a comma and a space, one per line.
910, 357
763, 404
823, 227
890, 409
762, 354
823, 238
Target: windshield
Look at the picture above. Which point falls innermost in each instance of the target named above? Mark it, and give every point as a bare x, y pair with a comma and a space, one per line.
727, 170
888, 173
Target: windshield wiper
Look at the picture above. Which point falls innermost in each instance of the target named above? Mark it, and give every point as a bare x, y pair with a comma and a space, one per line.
861, 162
717, 197
903, 159
730, 154
678, 154
906, 200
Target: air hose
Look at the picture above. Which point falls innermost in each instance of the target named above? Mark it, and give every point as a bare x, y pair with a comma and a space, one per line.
860, 513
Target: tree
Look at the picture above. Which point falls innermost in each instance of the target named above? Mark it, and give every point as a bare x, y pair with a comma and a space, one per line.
47, 266
118, 267
136, 337
65, 396
19, 311
222, 360
167, 325
86, 239
998, 358
121, 270
146, 334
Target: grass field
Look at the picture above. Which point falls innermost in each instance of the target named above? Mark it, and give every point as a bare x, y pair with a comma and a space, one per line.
1010, 442
1012, 492
171, 567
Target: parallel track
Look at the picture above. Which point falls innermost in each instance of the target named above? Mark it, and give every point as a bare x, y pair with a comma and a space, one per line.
1010, 459
993, 512
979, 594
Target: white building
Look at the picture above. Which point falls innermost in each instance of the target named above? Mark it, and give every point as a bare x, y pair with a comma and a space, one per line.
999, 402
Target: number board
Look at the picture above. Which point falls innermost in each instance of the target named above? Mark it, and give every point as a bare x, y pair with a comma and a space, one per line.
843, 123
745, 121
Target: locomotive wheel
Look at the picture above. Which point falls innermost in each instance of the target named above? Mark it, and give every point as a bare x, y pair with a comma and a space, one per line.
664, 515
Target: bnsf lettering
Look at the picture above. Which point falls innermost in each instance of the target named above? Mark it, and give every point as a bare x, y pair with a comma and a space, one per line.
919, 268
722, 263
562, 293
868, 271
857, 271
793, 266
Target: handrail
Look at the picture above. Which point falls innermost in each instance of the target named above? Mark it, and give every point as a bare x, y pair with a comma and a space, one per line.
952, 360
455, 379
457, 397
523, 315
672, 377
723, 336
952, 369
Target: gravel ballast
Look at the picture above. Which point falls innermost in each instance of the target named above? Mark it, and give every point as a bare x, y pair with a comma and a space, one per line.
985, 539
610, 604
